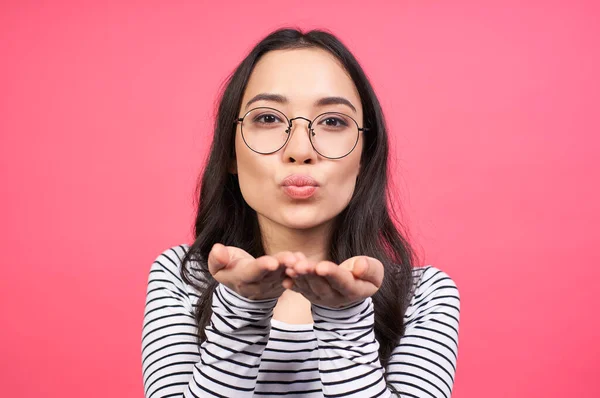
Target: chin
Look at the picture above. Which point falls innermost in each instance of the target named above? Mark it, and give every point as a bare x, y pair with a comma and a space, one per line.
298, 224
293, 218
302, 219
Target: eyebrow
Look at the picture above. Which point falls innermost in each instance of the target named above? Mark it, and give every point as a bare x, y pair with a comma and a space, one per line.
283, 100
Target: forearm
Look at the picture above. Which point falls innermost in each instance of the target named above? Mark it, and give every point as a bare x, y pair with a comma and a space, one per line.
349, 360
236, 338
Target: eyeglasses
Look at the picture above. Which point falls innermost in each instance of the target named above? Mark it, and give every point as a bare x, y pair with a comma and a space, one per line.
332, 135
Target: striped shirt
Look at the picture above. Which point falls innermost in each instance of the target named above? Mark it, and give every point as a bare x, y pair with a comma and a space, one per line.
249, 354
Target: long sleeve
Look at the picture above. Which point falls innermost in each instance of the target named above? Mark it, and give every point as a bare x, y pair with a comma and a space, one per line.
349, 363
225, 365
424, 363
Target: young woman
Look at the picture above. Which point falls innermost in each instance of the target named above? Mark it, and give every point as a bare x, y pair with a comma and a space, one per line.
298, 283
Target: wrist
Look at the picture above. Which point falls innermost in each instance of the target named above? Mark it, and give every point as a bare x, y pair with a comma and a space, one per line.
234, 299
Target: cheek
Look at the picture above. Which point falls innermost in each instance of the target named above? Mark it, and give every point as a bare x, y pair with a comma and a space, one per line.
352, 166
343, 180
344, 188
254, 174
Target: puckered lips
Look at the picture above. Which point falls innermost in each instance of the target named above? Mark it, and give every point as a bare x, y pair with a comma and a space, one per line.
299, 186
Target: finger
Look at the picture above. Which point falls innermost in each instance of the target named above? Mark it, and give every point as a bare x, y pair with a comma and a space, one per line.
271, 267
339, 278
344, 281
288, 283
255, 270
369, 269
286, 258
291, 273
326, 268
218, 258
304, 267
275, 270
300, 255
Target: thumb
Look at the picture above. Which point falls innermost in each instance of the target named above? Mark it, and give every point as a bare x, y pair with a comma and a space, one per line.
218, 258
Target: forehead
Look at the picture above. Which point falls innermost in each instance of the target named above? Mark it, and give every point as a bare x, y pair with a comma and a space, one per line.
302, 75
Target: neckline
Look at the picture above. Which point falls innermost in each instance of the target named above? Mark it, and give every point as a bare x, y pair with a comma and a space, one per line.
291, 326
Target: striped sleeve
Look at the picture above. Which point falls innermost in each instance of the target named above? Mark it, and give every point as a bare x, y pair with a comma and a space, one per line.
349, 363
169, 344
235, 341
225, 365
424, 363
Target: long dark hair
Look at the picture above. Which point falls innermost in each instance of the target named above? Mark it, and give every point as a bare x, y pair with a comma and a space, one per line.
364, 227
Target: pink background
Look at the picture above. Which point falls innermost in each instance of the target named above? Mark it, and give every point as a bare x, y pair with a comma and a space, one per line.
105, 118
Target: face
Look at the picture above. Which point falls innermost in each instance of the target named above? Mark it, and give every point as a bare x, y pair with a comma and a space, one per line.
303, 77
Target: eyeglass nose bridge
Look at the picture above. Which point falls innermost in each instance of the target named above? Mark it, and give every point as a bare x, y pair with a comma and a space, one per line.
300, 117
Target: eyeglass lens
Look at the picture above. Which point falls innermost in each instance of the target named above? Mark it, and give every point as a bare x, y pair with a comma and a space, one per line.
332, 134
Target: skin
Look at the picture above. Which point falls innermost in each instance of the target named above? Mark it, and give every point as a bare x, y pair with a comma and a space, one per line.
296, 232
303, 76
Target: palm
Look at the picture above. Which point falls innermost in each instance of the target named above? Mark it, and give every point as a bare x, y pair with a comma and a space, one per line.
334, 285
254, 278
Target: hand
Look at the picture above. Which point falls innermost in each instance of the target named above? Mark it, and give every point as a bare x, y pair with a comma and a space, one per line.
335, 286
255, 279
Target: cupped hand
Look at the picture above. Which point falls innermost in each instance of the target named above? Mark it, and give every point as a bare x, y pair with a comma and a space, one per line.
330, 285
254, 278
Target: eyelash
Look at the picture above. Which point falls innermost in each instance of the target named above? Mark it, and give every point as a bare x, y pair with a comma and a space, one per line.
338, 120
259, 117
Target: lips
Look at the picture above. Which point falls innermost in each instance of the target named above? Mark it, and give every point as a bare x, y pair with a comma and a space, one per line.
299, 180
299, 186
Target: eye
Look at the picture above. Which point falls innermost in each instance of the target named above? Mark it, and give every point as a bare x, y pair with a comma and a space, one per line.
334, 121
267, 118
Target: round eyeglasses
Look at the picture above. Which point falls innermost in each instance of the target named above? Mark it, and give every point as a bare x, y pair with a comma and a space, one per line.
332, 135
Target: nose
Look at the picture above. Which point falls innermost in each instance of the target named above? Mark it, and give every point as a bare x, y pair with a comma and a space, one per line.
299, 148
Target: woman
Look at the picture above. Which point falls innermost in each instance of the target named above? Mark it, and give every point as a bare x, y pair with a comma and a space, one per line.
298, 282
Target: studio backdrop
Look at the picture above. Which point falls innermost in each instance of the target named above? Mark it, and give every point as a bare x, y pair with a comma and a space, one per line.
106, 112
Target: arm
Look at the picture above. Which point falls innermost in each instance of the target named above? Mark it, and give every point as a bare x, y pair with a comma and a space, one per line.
227, 362
348, 351
424, 363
